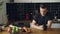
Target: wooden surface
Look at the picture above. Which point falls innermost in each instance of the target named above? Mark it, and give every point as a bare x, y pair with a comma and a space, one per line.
52, 31
35, 31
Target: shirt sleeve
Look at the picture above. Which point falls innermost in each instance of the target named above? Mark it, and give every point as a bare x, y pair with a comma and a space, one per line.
35, 18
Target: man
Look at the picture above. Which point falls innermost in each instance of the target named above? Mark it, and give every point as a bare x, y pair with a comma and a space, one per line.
42, 20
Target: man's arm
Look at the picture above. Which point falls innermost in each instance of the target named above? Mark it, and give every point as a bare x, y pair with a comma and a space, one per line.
35, 25
33, 22
49, 24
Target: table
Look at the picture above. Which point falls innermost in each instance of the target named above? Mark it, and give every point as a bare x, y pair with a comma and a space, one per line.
35, 31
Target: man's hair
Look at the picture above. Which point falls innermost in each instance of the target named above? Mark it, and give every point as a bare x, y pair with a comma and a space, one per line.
43, 5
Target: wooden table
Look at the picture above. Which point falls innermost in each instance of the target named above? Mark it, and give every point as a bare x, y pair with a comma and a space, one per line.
52, 31
35, 31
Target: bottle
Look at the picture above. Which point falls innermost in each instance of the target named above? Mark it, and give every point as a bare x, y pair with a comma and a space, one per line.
45, 27
15, 30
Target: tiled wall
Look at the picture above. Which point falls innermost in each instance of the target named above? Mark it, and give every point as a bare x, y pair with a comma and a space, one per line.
20, 9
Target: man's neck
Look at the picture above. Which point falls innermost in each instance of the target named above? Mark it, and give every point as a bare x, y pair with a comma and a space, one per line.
43, 14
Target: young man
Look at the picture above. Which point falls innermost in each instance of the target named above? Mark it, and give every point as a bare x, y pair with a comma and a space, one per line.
42, 20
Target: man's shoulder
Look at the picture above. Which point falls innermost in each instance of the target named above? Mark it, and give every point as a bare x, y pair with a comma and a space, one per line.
37, 14
49, 14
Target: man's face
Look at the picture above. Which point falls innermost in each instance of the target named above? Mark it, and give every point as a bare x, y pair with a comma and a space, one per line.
43, 10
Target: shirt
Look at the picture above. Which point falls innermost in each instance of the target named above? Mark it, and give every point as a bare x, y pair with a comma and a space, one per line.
41, 20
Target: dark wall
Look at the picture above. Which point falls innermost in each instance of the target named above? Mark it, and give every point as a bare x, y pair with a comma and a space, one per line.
18, 11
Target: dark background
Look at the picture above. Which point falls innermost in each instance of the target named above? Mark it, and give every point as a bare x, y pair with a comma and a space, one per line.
18, 11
